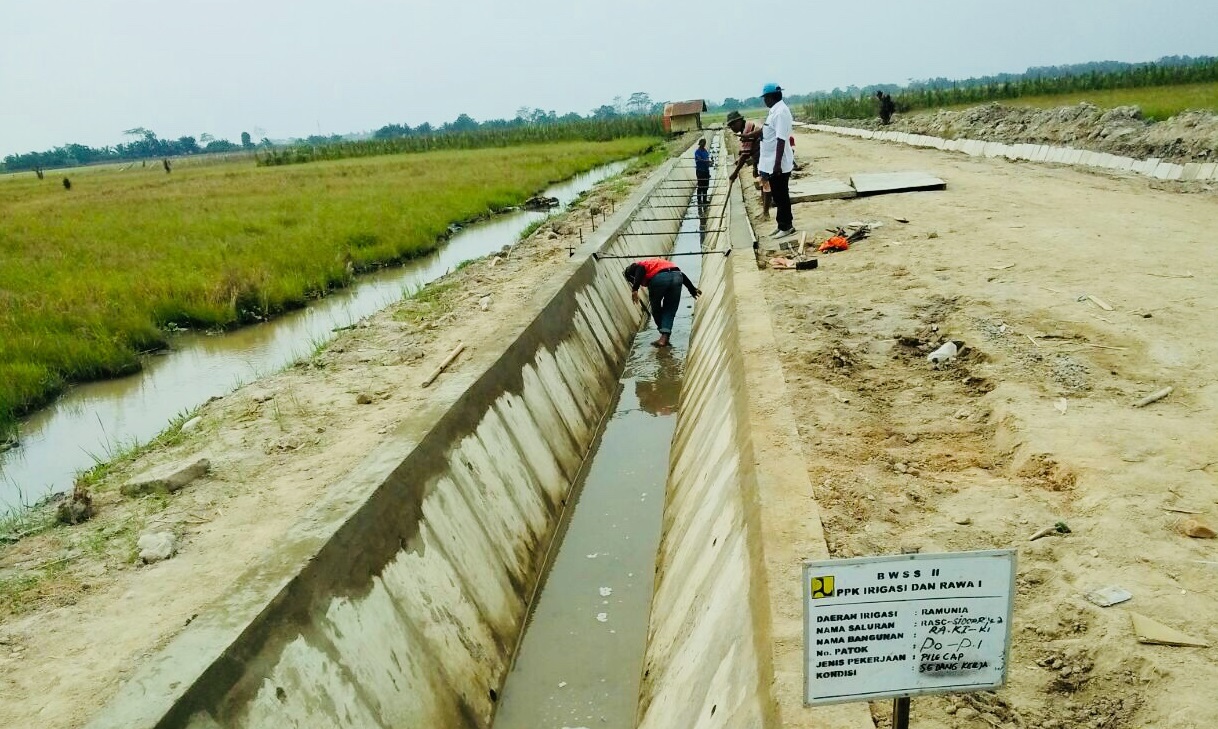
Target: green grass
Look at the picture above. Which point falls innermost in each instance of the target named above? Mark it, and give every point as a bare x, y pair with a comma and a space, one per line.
529, 230
96, 275
1157, 102
426, 303
715, 118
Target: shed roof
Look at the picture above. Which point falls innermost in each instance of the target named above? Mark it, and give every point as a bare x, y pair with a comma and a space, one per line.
683, 108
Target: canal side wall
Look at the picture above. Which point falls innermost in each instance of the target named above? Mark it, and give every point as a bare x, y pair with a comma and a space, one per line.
708, 659
399, 601
726, 635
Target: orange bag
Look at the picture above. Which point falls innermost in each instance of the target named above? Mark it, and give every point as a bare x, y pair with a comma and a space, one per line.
836, 243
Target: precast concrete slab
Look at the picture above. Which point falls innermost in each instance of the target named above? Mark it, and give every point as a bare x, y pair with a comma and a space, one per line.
815, 189
878, 183
1209, 171
1191, 171
1174, 172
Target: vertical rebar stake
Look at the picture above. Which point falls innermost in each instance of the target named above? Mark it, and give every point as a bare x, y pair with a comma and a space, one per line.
900, 712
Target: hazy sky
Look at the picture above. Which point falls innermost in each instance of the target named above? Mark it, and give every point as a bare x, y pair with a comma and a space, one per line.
84, 70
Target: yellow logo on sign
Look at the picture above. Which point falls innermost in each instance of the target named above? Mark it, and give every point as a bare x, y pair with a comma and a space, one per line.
822, 587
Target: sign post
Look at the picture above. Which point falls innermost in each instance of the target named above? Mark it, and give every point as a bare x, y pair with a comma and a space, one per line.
905, 625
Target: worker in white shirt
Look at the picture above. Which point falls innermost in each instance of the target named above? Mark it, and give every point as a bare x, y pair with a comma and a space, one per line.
777, 159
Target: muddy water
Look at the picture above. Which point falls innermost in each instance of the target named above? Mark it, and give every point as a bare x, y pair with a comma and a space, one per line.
92, 421
580, 662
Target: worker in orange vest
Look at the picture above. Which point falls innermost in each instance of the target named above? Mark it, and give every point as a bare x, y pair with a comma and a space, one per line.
664, 281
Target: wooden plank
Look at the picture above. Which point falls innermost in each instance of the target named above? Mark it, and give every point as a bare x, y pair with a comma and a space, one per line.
1100, 302
444, 365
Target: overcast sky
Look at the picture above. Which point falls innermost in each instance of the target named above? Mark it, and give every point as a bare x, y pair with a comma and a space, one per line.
84, 70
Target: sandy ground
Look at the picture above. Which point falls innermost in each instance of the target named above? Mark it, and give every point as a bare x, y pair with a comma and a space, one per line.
979, 454
275, 446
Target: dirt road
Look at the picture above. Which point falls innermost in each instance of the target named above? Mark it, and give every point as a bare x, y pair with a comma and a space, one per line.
1033, 424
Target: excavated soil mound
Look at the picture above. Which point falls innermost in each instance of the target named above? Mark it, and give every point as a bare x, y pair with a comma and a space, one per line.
1191, 136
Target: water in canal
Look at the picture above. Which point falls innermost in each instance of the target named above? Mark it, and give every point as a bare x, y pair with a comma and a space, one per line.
580, 662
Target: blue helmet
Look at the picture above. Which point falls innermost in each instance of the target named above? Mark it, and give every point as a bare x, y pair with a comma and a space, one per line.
770, 89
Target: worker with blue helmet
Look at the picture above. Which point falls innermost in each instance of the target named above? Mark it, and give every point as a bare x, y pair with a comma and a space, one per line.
776, 159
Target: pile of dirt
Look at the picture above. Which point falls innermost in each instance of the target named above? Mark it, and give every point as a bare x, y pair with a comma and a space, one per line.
1191, 136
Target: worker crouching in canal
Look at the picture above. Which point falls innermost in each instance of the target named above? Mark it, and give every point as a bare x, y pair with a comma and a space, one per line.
664, 281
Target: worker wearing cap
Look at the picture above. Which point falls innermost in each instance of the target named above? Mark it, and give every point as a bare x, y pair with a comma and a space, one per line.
748, 133
776, 159
750, 143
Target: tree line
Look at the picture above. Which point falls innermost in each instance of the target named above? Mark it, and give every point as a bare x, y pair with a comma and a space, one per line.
144, 145
464, 132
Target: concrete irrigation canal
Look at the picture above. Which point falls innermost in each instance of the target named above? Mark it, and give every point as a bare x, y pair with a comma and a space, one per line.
581, 657
533, 555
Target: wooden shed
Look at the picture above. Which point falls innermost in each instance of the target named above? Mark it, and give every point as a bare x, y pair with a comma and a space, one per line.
683, 116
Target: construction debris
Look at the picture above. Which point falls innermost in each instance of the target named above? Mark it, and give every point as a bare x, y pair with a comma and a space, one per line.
1153, 632
1154, 397
1196, 529
1108, 596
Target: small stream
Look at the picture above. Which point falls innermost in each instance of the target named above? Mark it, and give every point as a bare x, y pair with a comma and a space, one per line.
93, 421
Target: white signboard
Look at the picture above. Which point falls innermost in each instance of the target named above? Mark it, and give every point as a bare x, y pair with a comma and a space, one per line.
879, 627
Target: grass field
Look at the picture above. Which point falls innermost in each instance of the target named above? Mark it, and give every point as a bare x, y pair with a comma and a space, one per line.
1157, 102
716, 118
92, 276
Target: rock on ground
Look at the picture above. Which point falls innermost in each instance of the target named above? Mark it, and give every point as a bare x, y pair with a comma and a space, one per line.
167, 478
157, 546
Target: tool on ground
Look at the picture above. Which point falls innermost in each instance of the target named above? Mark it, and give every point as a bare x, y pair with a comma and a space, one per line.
842, 237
